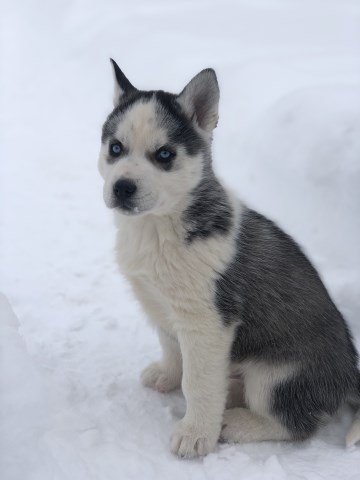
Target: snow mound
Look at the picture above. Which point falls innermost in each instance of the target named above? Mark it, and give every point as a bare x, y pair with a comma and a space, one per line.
24, 405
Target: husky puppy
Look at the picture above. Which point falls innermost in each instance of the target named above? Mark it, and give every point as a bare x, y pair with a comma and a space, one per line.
234, 300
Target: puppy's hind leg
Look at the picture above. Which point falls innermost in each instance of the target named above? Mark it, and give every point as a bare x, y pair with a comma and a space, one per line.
240, 425
236, 393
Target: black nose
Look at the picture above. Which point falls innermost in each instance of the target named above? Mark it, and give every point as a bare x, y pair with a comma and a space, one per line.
124, 189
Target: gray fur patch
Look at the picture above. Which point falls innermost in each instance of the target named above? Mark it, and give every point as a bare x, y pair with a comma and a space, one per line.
210, 212
285, 314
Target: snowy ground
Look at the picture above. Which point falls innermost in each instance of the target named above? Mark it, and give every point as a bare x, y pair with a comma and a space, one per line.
71, 405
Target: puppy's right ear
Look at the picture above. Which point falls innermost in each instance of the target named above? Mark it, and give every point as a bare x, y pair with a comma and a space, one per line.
122, 85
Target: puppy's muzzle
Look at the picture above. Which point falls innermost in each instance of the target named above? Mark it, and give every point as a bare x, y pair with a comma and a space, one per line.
123, 194
123, 190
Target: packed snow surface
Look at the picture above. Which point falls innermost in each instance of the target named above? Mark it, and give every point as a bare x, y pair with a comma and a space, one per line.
288, 141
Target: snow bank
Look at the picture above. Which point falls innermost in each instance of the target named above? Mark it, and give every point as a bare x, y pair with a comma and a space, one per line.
24, 406
96, 421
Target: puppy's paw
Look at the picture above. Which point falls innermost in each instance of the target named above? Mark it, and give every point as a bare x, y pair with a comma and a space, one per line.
189, 441
154, 376
240, 425
230, 430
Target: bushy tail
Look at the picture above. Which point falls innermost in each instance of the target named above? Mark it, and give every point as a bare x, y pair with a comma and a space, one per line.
353, 435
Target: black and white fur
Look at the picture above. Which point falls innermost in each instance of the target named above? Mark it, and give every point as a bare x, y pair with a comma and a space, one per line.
246, 326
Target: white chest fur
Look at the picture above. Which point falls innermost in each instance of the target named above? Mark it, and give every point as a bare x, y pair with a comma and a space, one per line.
153, 252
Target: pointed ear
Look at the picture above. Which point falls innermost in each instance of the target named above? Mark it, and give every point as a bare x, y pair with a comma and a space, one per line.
200, 99
122, 84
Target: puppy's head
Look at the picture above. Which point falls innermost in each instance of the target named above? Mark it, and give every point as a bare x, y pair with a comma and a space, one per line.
155, 144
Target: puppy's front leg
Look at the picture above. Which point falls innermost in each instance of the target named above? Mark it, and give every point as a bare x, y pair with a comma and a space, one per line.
164, 375
205, 353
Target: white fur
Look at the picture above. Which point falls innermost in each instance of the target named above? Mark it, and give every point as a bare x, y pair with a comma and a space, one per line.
173, 282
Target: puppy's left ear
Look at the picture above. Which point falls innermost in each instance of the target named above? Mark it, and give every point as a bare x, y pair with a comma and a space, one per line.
122, 85
200, 99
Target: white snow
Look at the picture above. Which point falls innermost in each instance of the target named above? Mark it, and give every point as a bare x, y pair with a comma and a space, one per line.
288, 141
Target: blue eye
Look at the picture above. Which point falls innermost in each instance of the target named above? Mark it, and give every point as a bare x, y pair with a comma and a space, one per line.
163, 155
115, 149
